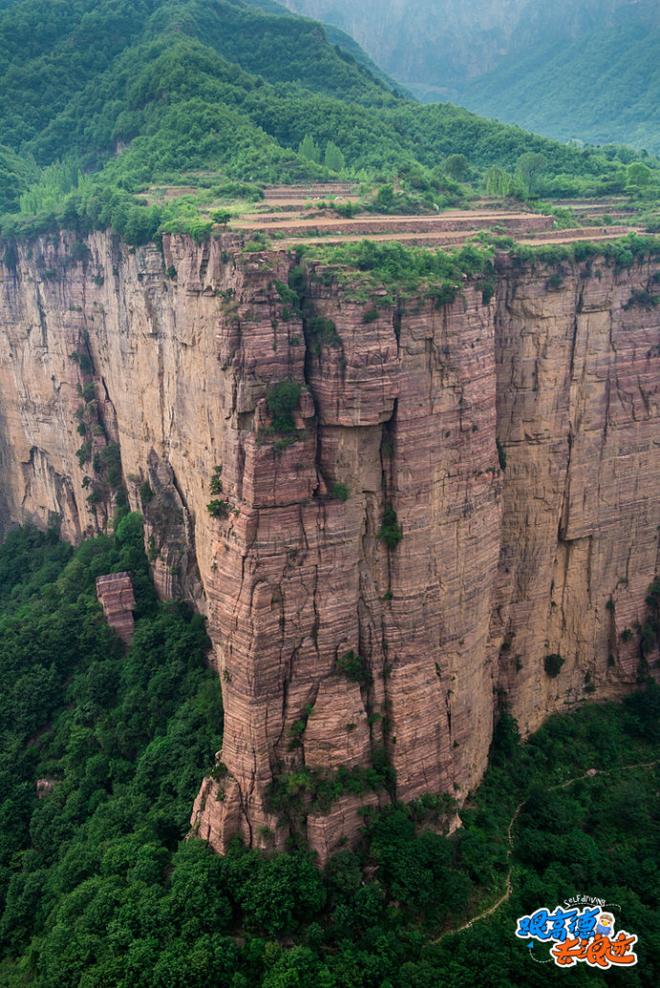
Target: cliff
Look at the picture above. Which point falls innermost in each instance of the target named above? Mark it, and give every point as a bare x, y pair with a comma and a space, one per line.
376, 583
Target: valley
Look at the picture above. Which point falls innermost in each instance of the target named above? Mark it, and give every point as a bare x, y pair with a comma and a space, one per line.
581, 70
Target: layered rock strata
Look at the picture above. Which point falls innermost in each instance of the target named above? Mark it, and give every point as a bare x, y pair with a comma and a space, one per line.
116, 597
339, 645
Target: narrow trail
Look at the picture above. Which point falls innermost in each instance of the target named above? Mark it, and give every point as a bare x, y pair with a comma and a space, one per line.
591, 774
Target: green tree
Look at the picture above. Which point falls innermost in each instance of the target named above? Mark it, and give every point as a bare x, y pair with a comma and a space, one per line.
529, 168
222, 217
99, 885
278, 895
309, 149
334, 157
15, 176
497, 182
298, 967
457, 167
638, 174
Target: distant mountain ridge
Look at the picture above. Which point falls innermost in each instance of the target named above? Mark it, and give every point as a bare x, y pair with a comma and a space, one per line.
603, 88
576, 68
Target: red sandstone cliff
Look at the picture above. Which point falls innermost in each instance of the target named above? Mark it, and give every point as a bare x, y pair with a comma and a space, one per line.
496, 569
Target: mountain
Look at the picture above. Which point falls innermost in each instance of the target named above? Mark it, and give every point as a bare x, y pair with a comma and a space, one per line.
318, 533
575, 68
340, 39
108, 96
603, 88
446, 43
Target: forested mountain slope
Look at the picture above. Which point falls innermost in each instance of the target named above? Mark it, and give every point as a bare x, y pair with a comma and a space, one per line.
147, 90
336, 37
604, 87
577, 68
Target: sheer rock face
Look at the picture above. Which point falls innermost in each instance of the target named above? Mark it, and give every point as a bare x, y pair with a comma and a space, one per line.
496, 568
578, 415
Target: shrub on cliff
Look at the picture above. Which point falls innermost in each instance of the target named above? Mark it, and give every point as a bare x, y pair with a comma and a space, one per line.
391, 531
650, 629
355, 668
321, 332
282, 400
340, 492
215, 485
642, 300
218, 509
290, 297
553, 665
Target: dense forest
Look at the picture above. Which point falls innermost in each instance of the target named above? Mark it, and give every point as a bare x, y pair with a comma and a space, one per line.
101, 98
99, 886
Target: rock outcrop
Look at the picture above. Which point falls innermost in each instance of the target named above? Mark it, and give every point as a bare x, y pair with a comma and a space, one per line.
44, 787
116, 597
376, 583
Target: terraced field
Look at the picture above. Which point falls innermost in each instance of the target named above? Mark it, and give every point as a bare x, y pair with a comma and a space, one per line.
458, 239
304, 214
292, 214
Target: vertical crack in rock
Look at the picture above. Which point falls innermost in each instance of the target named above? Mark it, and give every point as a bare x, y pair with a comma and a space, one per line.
43, 323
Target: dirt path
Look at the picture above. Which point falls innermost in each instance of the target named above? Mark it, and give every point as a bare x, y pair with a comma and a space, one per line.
583, 238
591, 774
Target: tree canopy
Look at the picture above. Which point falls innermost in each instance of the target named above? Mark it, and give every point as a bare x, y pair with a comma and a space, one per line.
99, 885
